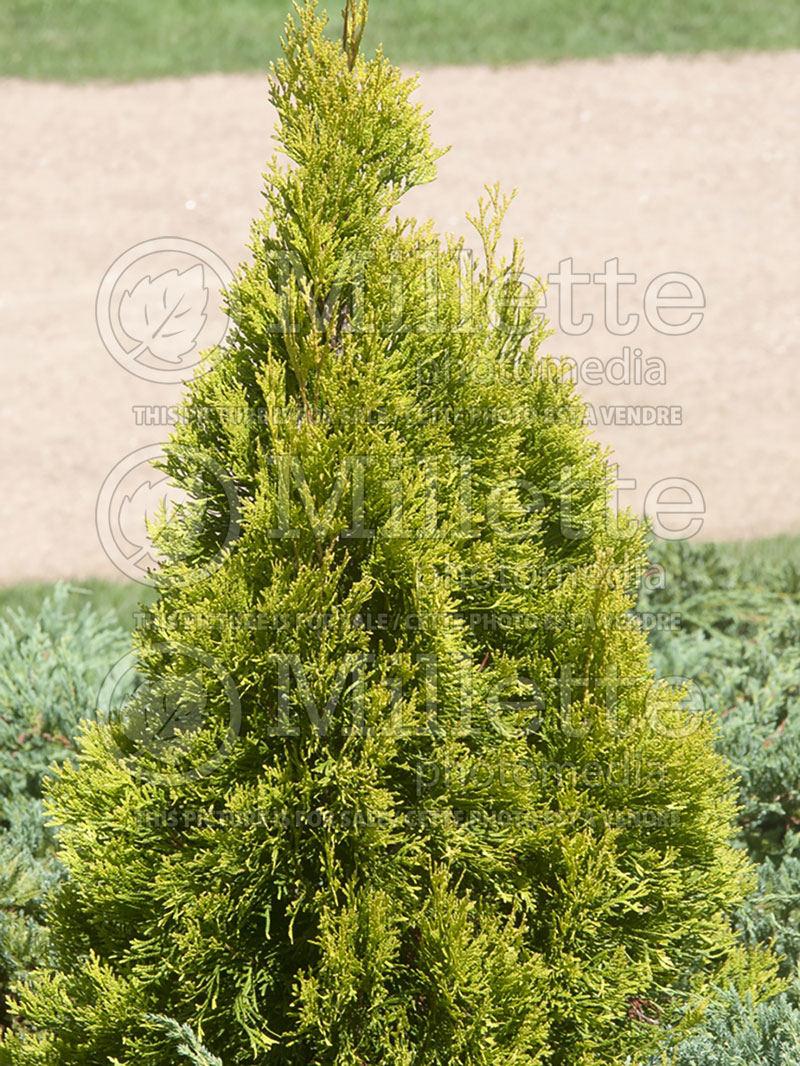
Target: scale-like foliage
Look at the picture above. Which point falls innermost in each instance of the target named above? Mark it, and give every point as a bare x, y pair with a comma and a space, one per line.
401, 789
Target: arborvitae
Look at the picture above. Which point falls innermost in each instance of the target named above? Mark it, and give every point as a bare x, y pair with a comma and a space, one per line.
413, 795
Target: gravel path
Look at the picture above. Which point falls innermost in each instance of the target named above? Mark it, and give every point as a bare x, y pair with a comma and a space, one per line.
668, 166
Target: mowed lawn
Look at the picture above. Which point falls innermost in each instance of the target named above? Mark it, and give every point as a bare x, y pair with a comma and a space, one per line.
125, 40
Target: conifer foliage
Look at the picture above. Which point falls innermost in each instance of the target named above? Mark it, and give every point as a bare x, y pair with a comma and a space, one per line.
400, 788
51, 665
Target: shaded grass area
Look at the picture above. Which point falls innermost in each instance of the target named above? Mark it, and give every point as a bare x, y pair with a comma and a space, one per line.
125, 40
753, 554
122, 598
723, 594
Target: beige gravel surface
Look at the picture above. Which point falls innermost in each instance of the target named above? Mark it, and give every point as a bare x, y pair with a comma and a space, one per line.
685, 165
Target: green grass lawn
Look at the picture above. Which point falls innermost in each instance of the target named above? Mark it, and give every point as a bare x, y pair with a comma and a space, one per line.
128, 39
123, 598
754, 557
745, 564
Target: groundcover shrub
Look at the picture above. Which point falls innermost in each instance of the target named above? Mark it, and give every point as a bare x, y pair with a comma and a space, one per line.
739, 640
400, 786
739, 1032
51, 668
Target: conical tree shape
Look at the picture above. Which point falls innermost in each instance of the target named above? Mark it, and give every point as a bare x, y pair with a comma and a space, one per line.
401, 789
